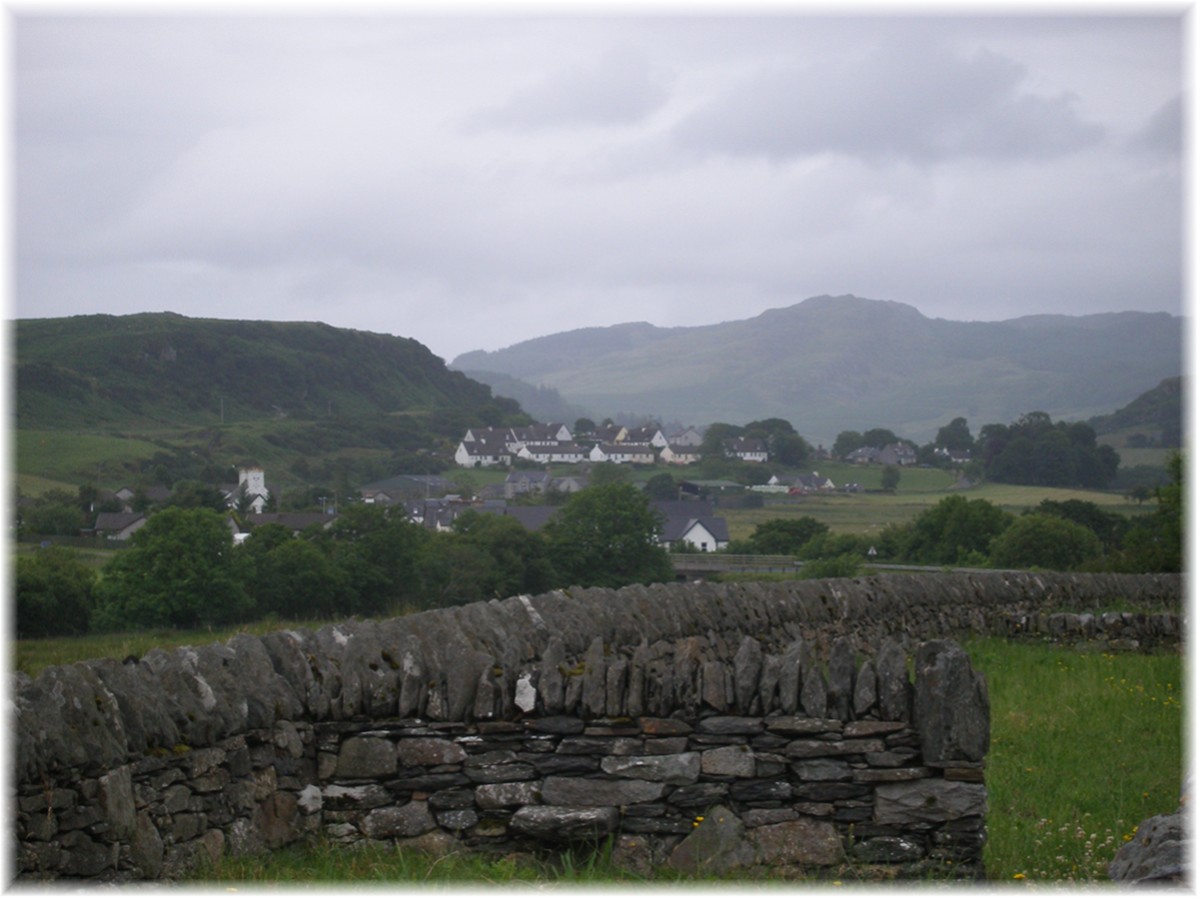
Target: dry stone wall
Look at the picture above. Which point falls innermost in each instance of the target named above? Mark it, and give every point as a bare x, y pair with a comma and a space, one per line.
698, 726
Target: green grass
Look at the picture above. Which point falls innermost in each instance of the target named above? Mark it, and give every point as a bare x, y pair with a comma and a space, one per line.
31, 655
870, 513
1084, 747
63, 456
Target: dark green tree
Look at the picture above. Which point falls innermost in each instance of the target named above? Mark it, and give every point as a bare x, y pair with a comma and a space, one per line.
197, 495
518, 560
178, 572
54, 593
785, 536
789, 449
289, 576
715, 436
955, 435
377, 551
879, 437
954, 531
846, 443
661, 487
889, 477
1155, 541
607, 536
1044, 542
1109, 527
55, 513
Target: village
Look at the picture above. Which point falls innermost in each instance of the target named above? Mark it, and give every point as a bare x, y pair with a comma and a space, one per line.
689, 522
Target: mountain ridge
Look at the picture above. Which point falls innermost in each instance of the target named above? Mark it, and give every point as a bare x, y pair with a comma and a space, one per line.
833, 363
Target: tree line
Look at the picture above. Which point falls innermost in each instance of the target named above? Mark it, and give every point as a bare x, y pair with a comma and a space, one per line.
1060, 535
183, 570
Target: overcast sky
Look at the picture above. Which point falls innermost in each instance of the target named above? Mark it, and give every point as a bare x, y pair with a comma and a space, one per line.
473, 182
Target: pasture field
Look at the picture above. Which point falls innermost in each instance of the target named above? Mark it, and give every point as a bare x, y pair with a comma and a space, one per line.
870, 513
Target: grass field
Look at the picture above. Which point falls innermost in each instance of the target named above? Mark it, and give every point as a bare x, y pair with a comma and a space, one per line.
869, 513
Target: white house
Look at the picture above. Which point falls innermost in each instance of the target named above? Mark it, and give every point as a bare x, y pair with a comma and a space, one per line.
641, 454
747, 449
489, 450
707, 534
689, 437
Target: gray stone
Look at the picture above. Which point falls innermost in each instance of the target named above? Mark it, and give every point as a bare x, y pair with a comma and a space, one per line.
564, 824
793, 725
362, 796
1155, 855
366, 757
277, 820
116, 799
398, 821
594, 677
674, 769
927, 801
823, 770
768, 685
747, 672
887, 849
805, 841
498, 796
841, 678
789, 677
699, 796
146, 847
716, 686
458, 819
565, 791
638, 853
737, 760
814, 693
309, 801
865, 693
891, 667
951, 711
808, 749
716, 845
730, 725
429, 752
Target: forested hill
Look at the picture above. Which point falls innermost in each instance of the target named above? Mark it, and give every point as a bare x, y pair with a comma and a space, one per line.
834, 363
166, 369
1156, 414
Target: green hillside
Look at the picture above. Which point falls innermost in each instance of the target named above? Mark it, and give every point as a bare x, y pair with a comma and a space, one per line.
116, 395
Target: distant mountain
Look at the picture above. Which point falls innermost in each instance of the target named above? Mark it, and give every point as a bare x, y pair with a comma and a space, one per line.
542, 403
830, 364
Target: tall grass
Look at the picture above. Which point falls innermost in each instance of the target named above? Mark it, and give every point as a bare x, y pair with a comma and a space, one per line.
1085, 745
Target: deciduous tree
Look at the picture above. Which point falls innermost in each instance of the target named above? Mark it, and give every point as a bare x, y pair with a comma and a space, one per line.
607, 536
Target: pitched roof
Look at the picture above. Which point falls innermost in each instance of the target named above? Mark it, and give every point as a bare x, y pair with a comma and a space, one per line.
116, 521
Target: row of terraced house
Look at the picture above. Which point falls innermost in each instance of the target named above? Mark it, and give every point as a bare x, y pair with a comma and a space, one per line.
554, 443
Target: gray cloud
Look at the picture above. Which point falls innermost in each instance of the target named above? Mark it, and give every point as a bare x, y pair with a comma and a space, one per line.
618, 88
908, 98
675, 170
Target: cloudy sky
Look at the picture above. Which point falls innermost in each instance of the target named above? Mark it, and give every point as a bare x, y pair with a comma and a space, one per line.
475, 181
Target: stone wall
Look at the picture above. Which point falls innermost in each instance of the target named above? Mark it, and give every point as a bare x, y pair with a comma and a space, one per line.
699, 725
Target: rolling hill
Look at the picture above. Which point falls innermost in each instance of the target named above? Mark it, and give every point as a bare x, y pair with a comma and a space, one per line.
223, 392
830, 364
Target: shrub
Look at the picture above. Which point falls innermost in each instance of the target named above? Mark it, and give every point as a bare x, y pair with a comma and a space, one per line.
54, 594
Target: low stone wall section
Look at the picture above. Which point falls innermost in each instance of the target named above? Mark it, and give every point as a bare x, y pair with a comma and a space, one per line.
135, 767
